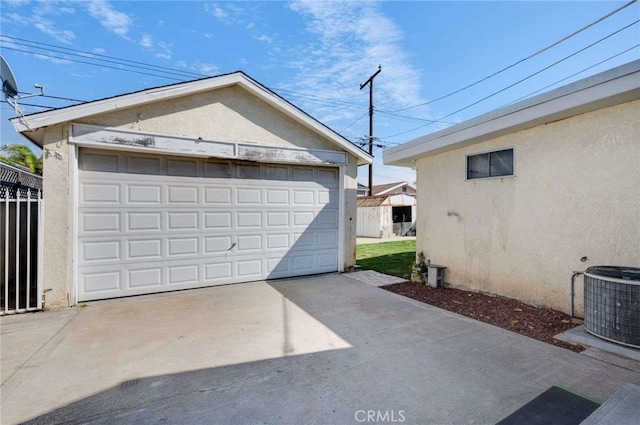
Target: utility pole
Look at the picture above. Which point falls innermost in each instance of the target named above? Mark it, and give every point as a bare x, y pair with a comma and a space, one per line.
370, 82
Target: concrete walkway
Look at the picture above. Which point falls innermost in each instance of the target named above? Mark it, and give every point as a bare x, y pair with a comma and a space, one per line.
317, 350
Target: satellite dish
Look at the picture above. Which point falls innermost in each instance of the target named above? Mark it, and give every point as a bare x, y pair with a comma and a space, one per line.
10, 87
9, 84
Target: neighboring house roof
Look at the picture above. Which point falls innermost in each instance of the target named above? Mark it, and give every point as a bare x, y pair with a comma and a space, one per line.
396, 200
388, 189
382, 189
31, 126
609, 88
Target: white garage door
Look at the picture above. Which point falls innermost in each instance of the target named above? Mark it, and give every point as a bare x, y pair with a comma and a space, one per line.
150, 223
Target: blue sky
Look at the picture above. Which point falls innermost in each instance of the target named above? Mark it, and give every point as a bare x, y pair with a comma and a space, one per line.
317, 53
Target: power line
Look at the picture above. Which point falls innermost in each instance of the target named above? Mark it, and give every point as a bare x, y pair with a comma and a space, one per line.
91, 63
573, 75
357, 119
542, 70
520, 61
521, 80
97, 55
56, 97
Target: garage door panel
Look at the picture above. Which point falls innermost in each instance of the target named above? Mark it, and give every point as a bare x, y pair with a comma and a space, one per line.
179, 247
182, 220
144, 249
279, 197
150, 278
303, 197
327, 261
100, 281
278, 218
218, 220
182, 194
303, 240
107, 162
248, 268
303, 174
99, 222
278, 241
148, 195
217, 244
217, 169
173, 224
218, 271
302, 262
217, 195
144, 221
100, 193
100, 251
249, 196
327, 238
183, 274
249, 243
182, 167
303, 218
249, 219
327, 218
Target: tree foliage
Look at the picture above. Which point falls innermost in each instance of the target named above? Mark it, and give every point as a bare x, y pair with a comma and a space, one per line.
21, 156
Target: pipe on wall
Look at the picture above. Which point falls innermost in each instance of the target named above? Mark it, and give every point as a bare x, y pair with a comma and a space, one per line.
572, 293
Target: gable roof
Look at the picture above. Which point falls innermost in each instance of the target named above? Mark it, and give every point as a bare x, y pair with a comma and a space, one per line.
381, 189
609, 88
31, 126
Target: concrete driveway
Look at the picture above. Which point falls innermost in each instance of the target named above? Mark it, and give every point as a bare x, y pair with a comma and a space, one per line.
318, 350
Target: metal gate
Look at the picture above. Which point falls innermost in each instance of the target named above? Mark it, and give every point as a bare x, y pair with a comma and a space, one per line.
21, 212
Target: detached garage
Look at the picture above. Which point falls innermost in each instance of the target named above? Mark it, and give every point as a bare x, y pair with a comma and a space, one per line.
209, 182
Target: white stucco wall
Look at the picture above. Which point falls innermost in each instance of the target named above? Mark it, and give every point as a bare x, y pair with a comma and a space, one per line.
228, 114
575, 194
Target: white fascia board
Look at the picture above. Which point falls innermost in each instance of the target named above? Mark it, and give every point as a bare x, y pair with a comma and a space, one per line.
28, 124
609, 88
124, 139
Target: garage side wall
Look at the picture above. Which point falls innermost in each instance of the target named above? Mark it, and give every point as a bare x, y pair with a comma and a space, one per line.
350, 211
228, 114
57, 250
574, 195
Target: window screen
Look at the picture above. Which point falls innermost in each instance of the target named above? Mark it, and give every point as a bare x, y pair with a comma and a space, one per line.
490, 164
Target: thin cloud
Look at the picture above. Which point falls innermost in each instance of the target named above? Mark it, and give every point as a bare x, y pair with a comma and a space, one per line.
348, 40
218, 12
50, 28
113, 20
147, 41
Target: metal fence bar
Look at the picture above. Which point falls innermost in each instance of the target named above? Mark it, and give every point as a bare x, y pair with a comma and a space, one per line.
6, 254
22, 258
28, 277
40, 262
17, 274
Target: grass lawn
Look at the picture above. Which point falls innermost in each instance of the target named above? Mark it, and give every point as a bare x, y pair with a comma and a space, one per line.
392, 258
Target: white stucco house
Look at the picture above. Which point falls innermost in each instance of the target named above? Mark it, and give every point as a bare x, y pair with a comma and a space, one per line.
513, 201
207, 182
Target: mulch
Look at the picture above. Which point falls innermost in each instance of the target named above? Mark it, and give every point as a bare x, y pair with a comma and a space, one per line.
535, 322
